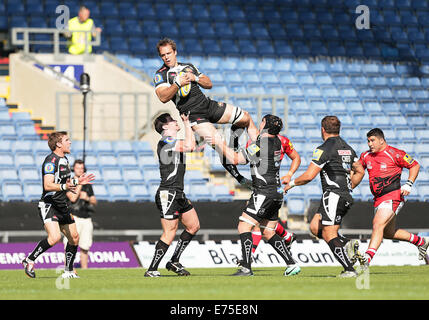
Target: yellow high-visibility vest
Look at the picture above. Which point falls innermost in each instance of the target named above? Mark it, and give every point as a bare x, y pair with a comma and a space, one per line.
77, 44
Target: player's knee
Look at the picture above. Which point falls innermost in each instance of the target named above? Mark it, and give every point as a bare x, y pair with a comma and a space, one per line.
54, 239
267, 234
194, 228
75, 239
245, 120
314, 227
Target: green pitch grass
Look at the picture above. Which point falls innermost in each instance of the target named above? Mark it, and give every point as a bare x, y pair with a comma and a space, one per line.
217, 284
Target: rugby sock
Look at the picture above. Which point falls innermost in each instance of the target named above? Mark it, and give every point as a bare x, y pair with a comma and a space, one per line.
184, 240
70, 256
236, 133
282, 232
416, 240
337, 247
279, 245
256, 238
41, 247
246, 248
160, 251
370, 253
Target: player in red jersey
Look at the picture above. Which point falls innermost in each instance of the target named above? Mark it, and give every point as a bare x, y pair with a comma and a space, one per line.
384, 165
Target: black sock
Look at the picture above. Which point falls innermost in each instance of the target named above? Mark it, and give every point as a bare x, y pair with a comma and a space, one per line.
70, 256
160, 250
343, 239
236, 133
279, 245
41, 247
337, 247
246, 248
319, 233
184, 240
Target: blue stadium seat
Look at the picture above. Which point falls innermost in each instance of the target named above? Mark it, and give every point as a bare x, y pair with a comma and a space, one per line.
132, 175
112, 174
101, 192
29, 174
118, 192
127, 160
12, 191
102, 146
107, 159
32, 191
24, 159
151, 176
221, 193
8, 174
139, 192
296, 205
199, 194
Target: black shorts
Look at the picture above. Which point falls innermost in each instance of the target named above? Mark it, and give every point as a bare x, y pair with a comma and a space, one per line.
211, 111
333, 207
48, 212
264, 207
172, 204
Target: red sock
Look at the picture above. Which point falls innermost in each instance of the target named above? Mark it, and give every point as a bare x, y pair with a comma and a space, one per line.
371, 253
282, 232
256, 238
416, 240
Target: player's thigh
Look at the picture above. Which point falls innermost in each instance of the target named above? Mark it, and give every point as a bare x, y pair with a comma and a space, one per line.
169, 226
246, 223
390, 228
208, 131
382, 217
330, 232
233, 115
70, 232
190, 220
53, 230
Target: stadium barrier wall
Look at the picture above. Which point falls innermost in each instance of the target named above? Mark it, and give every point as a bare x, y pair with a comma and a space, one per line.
307, 253
212, 215
102, 255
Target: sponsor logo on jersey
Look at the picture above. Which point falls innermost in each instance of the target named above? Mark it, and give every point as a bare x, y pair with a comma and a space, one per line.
49, 168
253, 149
157, 79
408, 159
169, 140
383, 166
344, 152
317, 154
291, 145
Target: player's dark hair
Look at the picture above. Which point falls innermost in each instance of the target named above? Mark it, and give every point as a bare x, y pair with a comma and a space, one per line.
331, 124
273, 124
162, 120
164, 42
376, 132
54, 138
79, 161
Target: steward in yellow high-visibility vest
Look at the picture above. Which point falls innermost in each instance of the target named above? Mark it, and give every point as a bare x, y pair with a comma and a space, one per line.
77, 39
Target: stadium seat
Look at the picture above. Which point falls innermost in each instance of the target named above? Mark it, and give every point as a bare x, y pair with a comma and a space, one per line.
111, 174
32, 191
12, 191
296, 206
139, 192
118, 192
221, 193
29, 174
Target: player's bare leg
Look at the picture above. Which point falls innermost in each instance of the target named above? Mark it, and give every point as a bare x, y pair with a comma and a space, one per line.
54, 236
70, 232
192, 224
381, 220
390, 232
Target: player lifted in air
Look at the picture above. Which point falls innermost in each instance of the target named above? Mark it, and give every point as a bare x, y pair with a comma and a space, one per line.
53, 209
170, 198
180, 82
384, 165
339, 169
264, 154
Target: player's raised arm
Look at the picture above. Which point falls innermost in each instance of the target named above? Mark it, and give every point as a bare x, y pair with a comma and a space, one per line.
50, 185
187, 145
202, 80
167, 92
311, 173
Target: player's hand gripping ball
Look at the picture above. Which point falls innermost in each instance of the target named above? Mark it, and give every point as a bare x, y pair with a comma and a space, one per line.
184, 90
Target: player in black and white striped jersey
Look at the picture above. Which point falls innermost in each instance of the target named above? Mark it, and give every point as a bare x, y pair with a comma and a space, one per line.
56, 216
170, 197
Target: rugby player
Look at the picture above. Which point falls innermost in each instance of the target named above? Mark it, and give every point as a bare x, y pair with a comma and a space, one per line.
384, 164
204, 112
170, 198
339, 169
53, 208
288, 149
264, 154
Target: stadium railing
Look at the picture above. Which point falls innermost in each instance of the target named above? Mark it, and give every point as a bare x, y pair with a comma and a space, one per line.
25, 41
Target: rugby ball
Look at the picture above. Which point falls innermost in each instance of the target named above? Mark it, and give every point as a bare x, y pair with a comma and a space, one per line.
184, 90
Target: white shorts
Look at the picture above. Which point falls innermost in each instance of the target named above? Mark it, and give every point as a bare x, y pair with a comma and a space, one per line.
394, 205
85, 229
